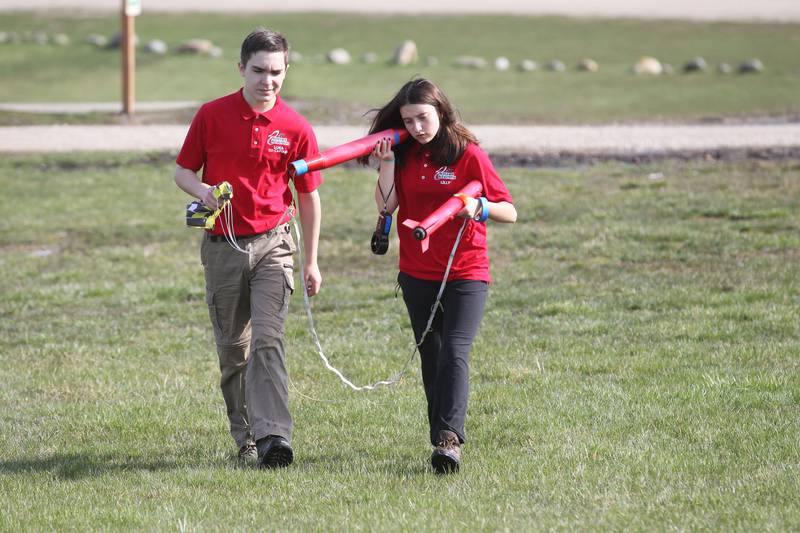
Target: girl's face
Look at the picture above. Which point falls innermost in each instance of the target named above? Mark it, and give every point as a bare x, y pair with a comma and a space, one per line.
421, 121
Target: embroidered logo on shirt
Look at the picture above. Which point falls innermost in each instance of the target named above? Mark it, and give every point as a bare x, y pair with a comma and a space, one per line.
444, 175
277, 142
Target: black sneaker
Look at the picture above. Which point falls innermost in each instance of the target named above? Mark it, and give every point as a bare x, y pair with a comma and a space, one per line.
274, 452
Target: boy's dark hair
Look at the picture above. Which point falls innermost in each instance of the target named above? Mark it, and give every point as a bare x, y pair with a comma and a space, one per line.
452, 138
263, 40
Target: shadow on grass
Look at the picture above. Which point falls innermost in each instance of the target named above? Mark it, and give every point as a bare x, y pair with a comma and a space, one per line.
75, 466
81, 465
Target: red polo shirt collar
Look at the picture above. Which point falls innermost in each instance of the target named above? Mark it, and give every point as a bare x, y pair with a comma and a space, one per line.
248, 112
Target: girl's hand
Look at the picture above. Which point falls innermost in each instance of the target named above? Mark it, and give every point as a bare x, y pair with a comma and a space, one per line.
471, 207
383, 150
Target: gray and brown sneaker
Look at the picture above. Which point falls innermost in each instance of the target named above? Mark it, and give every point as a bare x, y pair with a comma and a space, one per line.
248, 453
446, 457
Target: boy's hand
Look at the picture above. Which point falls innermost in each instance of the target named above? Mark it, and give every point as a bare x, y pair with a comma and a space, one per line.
209, 199
313, 280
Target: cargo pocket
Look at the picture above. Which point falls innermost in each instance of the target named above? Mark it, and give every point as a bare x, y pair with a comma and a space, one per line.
230, 325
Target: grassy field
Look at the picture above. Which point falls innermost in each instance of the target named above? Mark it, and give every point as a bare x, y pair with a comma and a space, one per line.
637, 368
80, 72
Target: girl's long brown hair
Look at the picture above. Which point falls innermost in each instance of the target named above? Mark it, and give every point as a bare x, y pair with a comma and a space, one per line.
452, 138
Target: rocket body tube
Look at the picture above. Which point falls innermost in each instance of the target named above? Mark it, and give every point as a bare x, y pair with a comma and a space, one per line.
422, 230
345, 152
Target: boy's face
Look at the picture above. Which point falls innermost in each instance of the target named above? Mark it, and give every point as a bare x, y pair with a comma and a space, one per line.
263, 77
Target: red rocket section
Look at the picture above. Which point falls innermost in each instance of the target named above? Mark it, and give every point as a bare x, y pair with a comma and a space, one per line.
345, 152
424, 229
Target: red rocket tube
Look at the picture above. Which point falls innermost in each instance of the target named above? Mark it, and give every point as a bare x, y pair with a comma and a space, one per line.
422, 230
345, 152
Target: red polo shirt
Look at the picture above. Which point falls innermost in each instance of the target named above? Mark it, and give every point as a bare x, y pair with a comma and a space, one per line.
422, 186
252, 151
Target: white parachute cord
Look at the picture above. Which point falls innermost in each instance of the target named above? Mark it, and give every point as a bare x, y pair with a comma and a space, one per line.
436, 304
226, 222
312, 329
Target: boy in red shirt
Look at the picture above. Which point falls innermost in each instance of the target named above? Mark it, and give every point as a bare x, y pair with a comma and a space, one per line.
248, 139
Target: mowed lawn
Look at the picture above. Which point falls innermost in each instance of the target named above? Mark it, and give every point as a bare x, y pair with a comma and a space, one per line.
80, 72
637, 367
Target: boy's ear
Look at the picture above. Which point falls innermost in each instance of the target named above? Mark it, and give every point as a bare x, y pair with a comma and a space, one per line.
241, 68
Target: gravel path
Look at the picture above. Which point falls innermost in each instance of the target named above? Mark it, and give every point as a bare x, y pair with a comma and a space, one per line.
774, 10
628, 139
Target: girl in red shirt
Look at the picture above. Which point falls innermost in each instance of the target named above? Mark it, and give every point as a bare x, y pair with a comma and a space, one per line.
418, 176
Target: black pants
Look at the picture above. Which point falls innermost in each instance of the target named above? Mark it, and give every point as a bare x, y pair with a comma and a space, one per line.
445, 352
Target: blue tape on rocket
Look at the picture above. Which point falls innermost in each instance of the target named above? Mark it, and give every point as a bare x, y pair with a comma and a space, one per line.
300, 167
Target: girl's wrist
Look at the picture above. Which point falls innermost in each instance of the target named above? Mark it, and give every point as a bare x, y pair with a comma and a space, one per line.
482, 212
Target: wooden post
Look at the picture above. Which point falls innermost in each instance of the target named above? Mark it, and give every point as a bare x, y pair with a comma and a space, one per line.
128, 59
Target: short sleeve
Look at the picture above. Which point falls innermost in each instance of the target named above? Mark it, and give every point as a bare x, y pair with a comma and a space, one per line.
481, 167
193, 152
306, 148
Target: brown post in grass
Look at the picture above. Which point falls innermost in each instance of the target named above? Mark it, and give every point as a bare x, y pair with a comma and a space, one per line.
130, 9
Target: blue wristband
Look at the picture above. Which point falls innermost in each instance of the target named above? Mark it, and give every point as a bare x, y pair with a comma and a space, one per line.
483, 216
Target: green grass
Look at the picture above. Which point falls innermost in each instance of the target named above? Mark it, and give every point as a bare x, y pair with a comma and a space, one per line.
637, 367
79, 72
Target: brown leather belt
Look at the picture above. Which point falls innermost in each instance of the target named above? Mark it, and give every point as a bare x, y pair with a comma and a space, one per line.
281, 228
